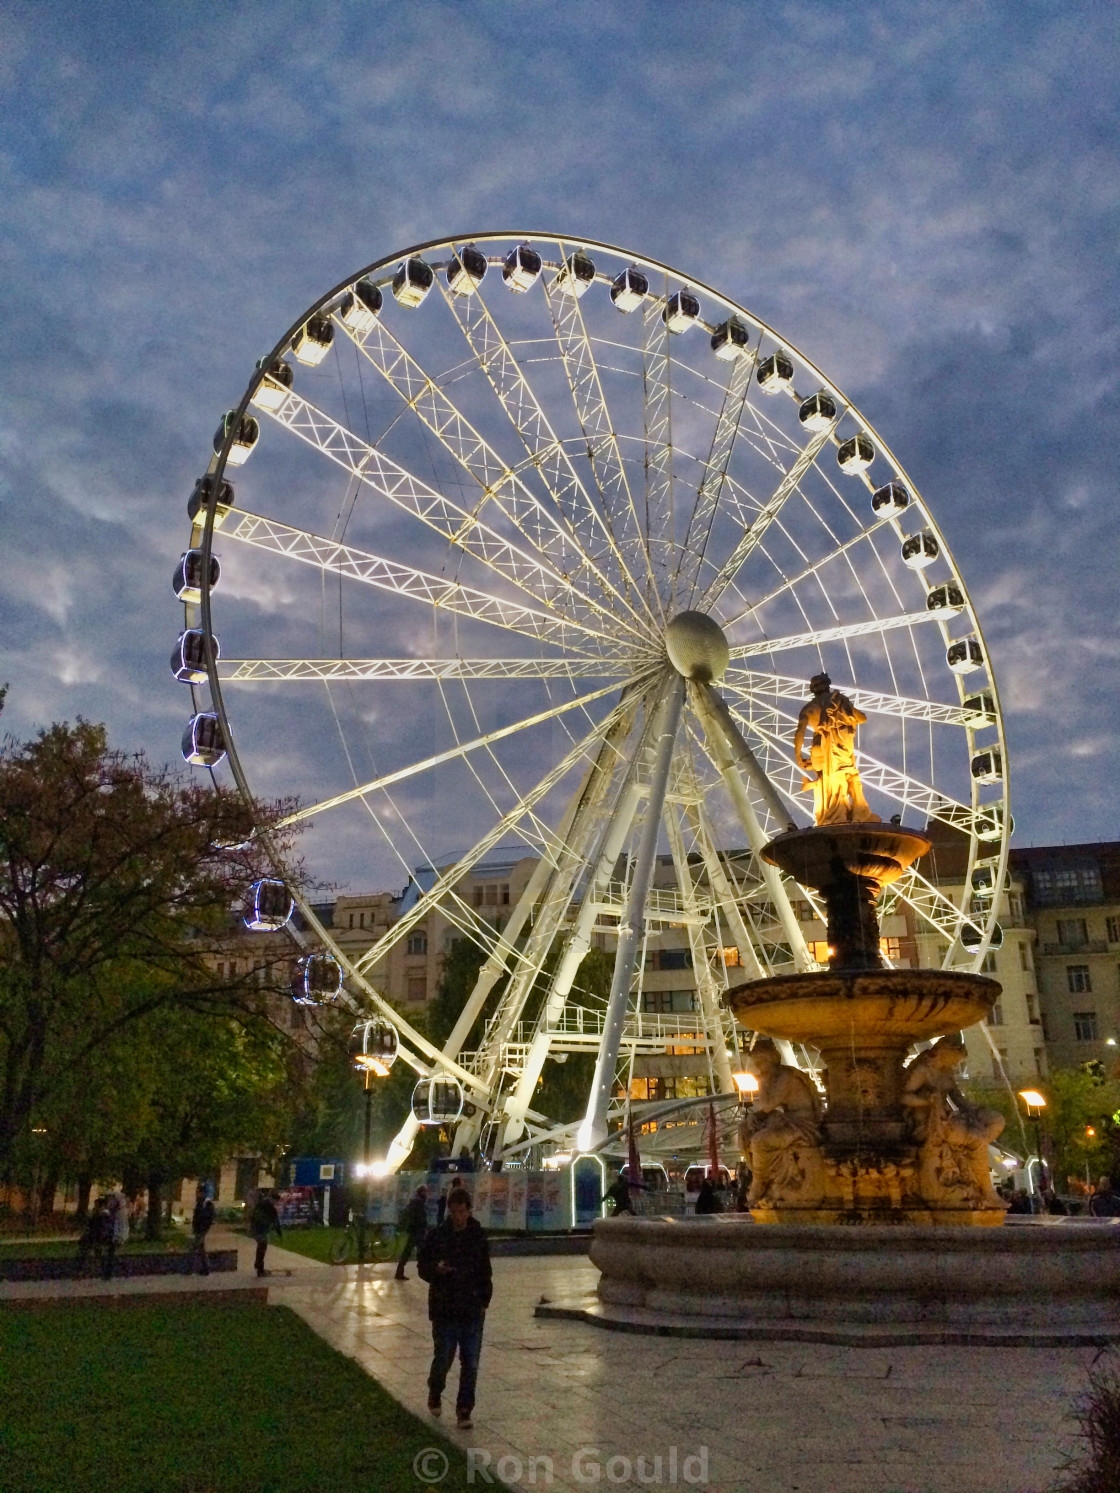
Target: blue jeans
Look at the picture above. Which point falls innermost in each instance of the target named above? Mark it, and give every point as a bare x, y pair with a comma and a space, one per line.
466, 1335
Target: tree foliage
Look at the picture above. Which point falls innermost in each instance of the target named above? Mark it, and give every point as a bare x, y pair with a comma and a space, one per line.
116, 899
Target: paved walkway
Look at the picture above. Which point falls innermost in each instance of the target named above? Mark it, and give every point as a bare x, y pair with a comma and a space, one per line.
729, 1417
774, 1417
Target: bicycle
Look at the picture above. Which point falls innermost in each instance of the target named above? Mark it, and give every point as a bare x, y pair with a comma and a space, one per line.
364, 1243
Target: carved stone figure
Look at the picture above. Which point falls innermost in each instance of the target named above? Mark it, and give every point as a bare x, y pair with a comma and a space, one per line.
952, 1134
782, 1132
837, 791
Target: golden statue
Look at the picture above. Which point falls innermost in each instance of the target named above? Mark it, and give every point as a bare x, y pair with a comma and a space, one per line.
837, 791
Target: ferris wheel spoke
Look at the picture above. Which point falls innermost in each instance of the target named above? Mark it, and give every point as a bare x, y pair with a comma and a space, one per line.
657, 409
501, 484
752, 537
535, 431
462, 529
831, 634
277, 670
448, 879
937, 910
451, 755
714, 482
815, 568
750, 684
405, 580
608, 469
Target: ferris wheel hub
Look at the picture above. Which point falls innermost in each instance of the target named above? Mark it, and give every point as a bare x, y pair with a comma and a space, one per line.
697, 646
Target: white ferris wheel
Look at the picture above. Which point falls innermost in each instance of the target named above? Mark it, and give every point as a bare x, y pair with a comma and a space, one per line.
539, 545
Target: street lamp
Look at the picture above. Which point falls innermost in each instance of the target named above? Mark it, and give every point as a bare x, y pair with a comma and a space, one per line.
746, 1085
373, 1050
1035, 1103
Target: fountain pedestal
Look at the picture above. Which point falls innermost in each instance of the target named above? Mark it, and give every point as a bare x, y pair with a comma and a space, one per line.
890, 1146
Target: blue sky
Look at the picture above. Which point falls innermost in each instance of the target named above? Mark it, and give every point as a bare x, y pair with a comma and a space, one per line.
924, 199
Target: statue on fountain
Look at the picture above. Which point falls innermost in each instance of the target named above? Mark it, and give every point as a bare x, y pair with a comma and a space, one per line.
952, 1134
838, 796
782, 1131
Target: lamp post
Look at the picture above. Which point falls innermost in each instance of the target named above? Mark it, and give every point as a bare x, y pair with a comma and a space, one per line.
1035, 1103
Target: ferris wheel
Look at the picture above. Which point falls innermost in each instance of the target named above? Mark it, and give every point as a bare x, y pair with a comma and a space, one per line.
539, 544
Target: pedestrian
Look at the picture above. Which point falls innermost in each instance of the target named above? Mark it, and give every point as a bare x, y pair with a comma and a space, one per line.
202, 1220
441, 1205
413, 1224
262, 1221
96, 1234
116, 1231
1105, 1202
707, 1199
618, 1193
455, 1261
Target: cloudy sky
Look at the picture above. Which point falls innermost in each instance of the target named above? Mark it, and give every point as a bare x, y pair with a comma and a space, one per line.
923, 199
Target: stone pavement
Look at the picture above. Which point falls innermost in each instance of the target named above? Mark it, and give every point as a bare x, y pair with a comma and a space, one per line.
774, 1417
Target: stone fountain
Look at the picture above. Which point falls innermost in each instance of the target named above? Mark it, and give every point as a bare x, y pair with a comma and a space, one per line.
892, 1149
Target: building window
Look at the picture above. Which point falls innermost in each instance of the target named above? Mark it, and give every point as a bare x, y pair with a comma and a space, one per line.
1066, 883
995, 1017
802, 910
1025, 956
1072, 932
891, 948
417, 943
417, 988
1112, 929
1077, 978
1015, 907
818, 949
989, 965
1085, 1026
673, 959
662, 1002
351, 920
492, 894
729, 957
669, 1088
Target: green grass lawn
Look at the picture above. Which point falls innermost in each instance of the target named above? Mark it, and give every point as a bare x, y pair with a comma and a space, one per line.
194, 1398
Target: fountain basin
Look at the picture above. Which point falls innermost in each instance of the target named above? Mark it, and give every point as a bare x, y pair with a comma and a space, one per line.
1012, 1279
876, 1008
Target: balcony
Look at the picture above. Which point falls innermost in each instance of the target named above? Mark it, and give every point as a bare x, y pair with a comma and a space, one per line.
1090, 946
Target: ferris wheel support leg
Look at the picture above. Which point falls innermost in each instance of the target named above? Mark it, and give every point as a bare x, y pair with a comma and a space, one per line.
718, 1061
610, 848
729, 905
725, 744
401, 1145
593, 1130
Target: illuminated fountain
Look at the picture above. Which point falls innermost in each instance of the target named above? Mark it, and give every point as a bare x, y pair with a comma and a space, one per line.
893, 1149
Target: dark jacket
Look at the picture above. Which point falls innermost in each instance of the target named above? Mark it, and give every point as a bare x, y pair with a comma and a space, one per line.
264, 1217
1105, 1205
465, 1290
414, 1217
203, 1216
707, 1199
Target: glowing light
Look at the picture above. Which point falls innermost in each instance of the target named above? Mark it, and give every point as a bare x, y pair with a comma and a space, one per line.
1032, 1098
746, 1083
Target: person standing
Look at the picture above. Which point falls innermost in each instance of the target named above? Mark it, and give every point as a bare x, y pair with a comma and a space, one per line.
618, 1195
202, 1220
708, 1199
116, 1231
413, 1224
455, 1261
1105, 1203
262, 1221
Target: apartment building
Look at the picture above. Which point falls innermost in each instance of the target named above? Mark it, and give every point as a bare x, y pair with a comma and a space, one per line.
1072, 898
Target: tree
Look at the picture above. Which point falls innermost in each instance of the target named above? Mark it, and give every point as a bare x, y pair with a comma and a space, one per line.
117, 882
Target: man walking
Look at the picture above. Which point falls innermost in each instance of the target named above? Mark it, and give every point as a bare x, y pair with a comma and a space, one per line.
455, 1261
201, 1221
413, 1224
262, 1221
